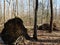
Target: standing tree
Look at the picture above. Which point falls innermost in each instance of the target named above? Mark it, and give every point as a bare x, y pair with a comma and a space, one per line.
51, 18
42, 11
47, 18
55, 9
0, 8
4, 10
35, 21
9, 3
17, 6
14, 8
29, 14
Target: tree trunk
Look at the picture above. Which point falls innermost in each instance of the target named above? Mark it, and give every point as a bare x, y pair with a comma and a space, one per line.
4, 10
47, 16
29, 14
17, 7
56, 10
35, 21
51, 18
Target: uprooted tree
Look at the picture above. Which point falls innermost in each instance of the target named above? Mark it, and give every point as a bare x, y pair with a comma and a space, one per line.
13, 28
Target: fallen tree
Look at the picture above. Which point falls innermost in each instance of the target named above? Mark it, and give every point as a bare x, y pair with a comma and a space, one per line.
47, 27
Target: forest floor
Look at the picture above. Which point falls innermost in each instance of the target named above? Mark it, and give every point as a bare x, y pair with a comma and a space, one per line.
44, 38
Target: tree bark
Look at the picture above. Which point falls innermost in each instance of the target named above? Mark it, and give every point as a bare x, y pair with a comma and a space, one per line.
51, 18
35, 21
17, 6
4, 10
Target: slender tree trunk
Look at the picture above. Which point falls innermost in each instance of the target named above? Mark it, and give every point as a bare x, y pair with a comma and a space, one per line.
56, 10
0, 8
35, 21
51, 18
42, 11
29, 14
13, 10
17, 6
4, 10
47, 18
10, 8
